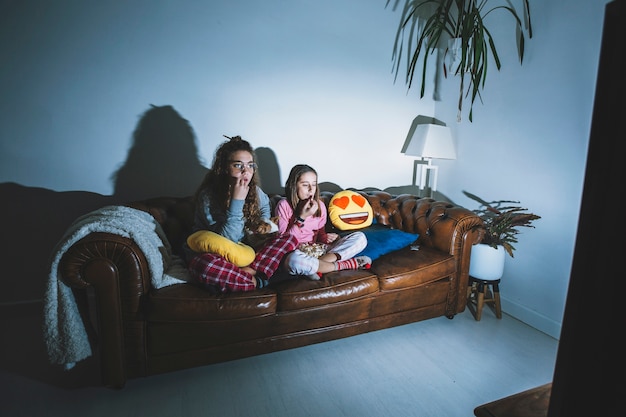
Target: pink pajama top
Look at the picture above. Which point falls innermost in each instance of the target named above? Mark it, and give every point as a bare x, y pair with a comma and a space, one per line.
313, 229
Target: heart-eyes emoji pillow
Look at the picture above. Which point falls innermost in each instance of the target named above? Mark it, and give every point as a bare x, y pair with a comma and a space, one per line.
349, 210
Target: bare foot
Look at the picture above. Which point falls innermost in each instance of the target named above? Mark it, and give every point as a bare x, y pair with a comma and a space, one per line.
249, 270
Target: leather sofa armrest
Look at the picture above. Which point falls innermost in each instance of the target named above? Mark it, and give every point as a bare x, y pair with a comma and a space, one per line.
441, 225
116, 270
452, 229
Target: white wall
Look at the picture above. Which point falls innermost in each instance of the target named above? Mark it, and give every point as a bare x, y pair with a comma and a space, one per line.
309, 79
528, 142
312, 81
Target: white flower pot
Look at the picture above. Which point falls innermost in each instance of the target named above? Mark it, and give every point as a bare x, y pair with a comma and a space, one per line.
486, 262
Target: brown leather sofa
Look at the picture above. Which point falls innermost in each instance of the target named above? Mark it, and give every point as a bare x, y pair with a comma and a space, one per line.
141, 331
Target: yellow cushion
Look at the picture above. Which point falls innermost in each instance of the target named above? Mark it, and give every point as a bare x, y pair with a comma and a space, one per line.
349, 210
206, 241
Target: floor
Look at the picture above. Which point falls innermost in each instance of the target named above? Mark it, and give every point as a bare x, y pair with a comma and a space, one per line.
437, 367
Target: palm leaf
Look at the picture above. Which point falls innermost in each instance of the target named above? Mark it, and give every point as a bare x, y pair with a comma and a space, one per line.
425, 23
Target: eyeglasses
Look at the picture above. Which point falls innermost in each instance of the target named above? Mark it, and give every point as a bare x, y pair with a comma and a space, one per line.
238, 165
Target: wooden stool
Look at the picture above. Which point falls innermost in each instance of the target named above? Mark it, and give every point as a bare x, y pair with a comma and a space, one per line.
481, 291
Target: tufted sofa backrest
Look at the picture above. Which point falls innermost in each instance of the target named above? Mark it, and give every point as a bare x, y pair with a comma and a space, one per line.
406, 212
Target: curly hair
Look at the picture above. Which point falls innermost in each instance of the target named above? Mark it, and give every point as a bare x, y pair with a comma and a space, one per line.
216, 182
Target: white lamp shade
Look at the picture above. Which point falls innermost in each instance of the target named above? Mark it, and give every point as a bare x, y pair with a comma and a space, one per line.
430, 141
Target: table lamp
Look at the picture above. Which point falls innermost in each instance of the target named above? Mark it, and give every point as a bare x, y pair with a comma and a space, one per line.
429, 139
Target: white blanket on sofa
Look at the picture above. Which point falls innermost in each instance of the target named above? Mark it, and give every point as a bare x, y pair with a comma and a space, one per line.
64, 331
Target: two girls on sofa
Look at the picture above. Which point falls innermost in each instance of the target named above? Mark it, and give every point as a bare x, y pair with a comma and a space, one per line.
229, 202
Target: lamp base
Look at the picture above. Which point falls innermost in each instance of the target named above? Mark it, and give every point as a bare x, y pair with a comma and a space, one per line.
427, 192
416, 169
425, 177
428, 177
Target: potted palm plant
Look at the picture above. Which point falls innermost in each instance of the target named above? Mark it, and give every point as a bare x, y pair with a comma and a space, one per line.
501, 221
459, 28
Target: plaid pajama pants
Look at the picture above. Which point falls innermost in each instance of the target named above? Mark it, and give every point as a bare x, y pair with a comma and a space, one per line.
216, 272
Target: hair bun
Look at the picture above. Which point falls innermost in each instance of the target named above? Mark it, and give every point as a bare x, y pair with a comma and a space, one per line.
233, 138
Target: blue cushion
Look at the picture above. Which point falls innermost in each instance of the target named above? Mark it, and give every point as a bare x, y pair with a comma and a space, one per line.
381, 240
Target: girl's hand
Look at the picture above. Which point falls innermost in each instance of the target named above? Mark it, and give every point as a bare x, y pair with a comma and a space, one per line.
241, 188
331, 237
308, 207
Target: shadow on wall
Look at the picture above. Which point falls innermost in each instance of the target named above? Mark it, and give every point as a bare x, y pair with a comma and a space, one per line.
269, 171
163, 160
34, 219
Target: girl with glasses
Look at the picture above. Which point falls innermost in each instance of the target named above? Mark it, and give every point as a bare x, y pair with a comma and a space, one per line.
229, 202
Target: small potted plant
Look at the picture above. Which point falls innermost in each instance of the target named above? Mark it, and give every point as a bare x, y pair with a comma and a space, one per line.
501, 219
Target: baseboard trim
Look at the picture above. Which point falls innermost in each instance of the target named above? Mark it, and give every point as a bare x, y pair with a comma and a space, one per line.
532, 318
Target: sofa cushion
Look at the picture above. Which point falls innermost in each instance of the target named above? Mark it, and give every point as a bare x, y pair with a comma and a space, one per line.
382, 240
409, 268
237, 253
191, 302
349, 210
334, 287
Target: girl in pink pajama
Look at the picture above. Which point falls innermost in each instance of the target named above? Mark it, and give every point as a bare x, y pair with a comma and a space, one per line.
303, 215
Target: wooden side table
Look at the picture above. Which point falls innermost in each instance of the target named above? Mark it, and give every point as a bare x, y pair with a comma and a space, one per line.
531, 403
481, 292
